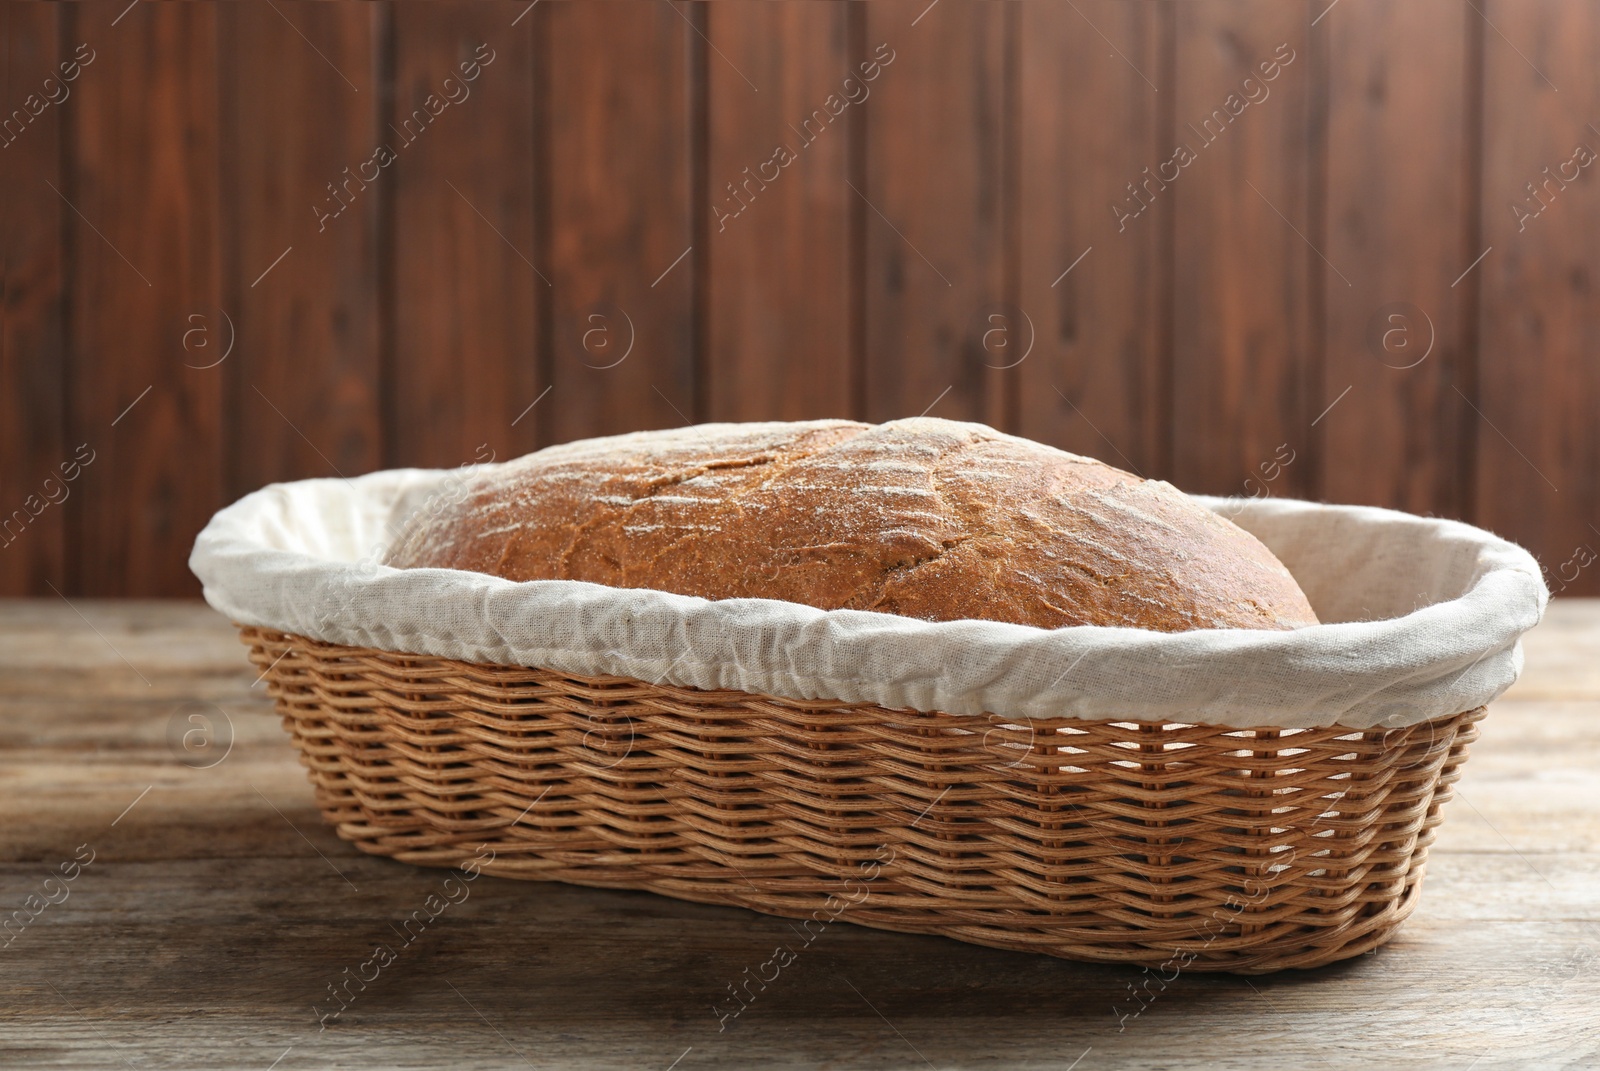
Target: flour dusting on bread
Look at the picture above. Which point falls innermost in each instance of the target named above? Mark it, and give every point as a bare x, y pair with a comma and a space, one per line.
929, 518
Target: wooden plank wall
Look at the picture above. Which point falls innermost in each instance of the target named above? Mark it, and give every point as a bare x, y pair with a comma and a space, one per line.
1539, 334
1281, 247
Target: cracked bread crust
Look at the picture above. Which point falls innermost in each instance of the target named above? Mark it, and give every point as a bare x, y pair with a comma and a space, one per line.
927, 518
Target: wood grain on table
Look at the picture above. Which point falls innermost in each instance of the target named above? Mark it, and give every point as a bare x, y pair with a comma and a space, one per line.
217, 911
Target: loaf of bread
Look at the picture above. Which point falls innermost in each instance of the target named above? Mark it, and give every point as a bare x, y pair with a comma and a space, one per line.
927, 518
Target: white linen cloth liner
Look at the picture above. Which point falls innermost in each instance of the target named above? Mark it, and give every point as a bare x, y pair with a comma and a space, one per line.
1422, 620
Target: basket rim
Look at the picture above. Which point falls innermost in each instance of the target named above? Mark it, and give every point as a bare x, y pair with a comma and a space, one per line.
604, 686
305, 558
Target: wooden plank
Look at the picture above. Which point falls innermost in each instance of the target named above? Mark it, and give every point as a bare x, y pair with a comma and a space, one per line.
544, 966
1096, 291
938, 210
220, 890
34, 493
618, 137
1538, 445
165, 821
1243, 349
1501, 886
304, 374
1509, 888
142, 254
466, 287
778, 253
118, 648
1397, 90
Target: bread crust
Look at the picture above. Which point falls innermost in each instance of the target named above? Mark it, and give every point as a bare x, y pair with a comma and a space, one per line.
928, 518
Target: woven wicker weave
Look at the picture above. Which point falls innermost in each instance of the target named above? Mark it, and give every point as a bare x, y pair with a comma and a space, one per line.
1202, 846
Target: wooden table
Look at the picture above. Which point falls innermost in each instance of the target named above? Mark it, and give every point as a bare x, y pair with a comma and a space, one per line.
216, 911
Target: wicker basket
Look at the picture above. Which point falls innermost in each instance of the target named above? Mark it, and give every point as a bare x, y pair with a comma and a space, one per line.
1244, 850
